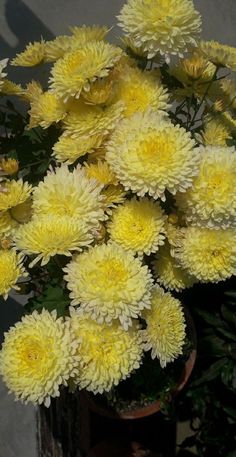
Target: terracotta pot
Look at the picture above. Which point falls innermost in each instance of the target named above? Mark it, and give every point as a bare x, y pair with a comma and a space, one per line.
155, 406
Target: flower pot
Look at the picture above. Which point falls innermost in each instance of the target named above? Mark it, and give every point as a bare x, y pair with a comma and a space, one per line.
155, 406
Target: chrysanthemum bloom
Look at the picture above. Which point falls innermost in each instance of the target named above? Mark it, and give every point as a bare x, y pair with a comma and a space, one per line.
138, 226
79, 68
7, 224
70, 193
13, 193
139, 91
219, 54
216, 132
113, 195
165, 332
69, 149
128, 42
50, 235
211, 201
10, 88
109, 284
195, 74
99, 91
107, 353
161, 26
45, 110
11, 269
150, 155
91, 33
3, 64
101, 172
168, 273
31, 56
86, 120
9, 166
33, 91
207, 254
228, 87
38, 355
55, 49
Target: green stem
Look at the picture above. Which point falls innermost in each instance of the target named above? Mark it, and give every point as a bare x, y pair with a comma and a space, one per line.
203, 98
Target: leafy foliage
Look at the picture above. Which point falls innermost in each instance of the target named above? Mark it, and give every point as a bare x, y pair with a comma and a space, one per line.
210, 400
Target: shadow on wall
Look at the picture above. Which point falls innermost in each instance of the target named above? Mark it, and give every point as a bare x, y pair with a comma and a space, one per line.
23, 23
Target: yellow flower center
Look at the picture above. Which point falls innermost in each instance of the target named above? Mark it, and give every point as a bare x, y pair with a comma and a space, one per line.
111, 273
35, 356
135, 98
156, 150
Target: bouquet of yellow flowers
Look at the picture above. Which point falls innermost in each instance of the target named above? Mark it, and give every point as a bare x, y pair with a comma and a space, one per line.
125, 197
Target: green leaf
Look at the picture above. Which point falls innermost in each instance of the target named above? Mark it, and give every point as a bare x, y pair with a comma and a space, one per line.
213, 345
229, 315
230, 411
232, 294
227, 333
227, 373
53, 297
213, 372
210, 318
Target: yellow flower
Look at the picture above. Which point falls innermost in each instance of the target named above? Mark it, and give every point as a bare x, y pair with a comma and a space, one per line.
69, 193
139, 91
161, 26
38, 355
216, 132
13, 193
99, 91
69, 149
168, 273
228, 87
109, 284
209, 255
219, 54
98, 154
107, 353
31, 56
195, 74
51, 235
150, 155
113, 195
33, 91
57, 48
138, 226
165, 332
86, 120
11, 269
211, 201
79, 68
101, 172
10, 88
85, 33
128, 42
3, 64
45, 110
9, 166
7, 224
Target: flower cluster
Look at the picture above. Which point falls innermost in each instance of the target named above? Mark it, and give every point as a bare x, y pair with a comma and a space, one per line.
134, 198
